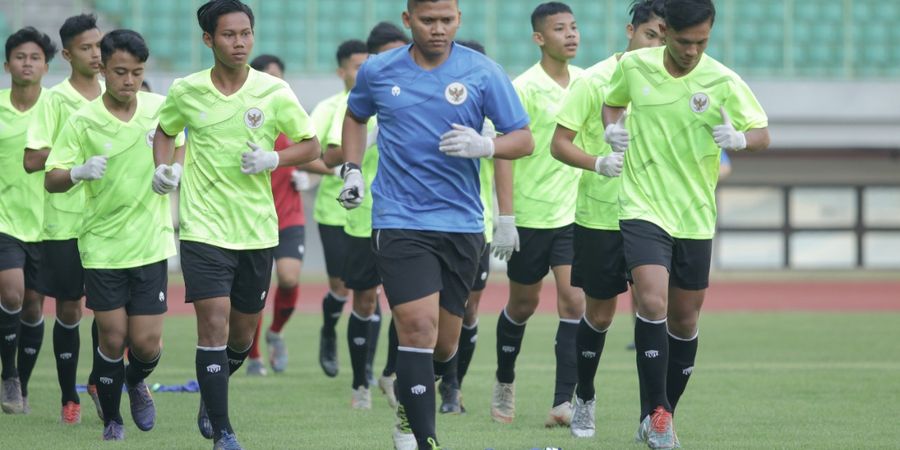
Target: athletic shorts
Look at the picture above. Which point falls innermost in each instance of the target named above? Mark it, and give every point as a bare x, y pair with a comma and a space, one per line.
687, 260
291, 243
599, 265
360, 272
334, 244
541, 249
142, 291
484, 269
414, 264
15, 254
61, 275
244, 276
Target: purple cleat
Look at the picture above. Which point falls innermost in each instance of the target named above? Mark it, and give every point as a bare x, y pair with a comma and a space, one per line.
114, 431
143, 410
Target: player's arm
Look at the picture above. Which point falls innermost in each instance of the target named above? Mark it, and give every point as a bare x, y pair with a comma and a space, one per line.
506, 236
514, 145
319, 166
302, 152
563, 148
757, 139
353, 139
34, 160
62, 166
163, 147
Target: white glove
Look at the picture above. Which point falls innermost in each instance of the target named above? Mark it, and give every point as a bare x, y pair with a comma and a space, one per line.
726, 136
506, 238
610, 165
354, 187
166, 178
616, 135
372, 136
300, 180
92, 169
488, 130
464, 142
257, 160
337, 170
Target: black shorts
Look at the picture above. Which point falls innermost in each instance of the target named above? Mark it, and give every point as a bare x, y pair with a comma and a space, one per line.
414, 264
244, 276
61, 275
334, 244
291, 243
599, 265
484, 269
360, 272
142, 291
687, 260
541, 249
15, 254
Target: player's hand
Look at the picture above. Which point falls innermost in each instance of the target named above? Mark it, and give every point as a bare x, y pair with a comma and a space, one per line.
354, 186
372, 136
465, 142
166, 178
506, 238
92, 169
616, 135
257, 160
610, 165
488, 130
300, 180
726, 136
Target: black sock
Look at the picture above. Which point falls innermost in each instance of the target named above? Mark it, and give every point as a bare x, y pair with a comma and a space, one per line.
110, 376
358, 335
446, 370
467, 338
66, 347
138, 369
236, 359
390, 366
681, 364
566, 363
415, 386
332, 307
212, 376
9, 342
374, 332
588, 347
31, 337
95, 342
652, 347
509, 342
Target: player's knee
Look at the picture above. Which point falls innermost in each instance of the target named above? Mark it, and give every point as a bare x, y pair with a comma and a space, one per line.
11, 299
520, 309
112, 343
32, 312
682, 327
419, 333
651, 305
336, 285
145, 347
69, 313
212, 331
599, 318
471, 316
571, 307
443, 351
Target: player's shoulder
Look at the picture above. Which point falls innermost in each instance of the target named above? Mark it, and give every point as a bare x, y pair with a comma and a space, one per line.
329, 103
150, 103
386, 61
712, 68
602, 69
90, 115
195, 82
5, 102
261, 84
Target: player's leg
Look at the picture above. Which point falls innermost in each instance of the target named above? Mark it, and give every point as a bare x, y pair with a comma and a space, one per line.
361, 275
255, 366
386, 380
334, 245
66, 351
288, 263
12, 293
31, 338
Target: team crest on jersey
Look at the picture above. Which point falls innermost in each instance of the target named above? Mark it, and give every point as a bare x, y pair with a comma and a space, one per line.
254, 118
395, 91
456, 93
699, 102
150, 135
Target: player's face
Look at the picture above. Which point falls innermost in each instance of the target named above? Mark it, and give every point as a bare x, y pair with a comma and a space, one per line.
274, 70
433, 26
83, 52
685, 47
350, 67
232, 41
647, 34
124, 74
26, 64
559, 36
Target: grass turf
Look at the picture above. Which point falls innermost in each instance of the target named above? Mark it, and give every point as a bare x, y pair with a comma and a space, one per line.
762, 380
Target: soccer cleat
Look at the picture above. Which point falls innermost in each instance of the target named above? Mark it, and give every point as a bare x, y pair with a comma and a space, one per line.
361, 399
433, 444
386, 384
11, 396
503, 402
92, 391
143, 411
560, 415
328, 353
661, 433
640, 436
255, 367
404, 439
71, 414
227, 442
583, 418
113, 431
278, 355
26, 408
450, 399
203, 423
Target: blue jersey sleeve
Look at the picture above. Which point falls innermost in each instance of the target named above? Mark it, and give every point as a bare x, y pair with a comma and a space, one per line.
502, 104
361, 103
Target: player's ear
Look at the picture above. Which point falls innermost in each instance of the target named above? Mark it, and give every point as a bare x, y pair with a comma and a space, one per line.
207, 39
6, 67
538, 38
405, 18
66, 54
629, 31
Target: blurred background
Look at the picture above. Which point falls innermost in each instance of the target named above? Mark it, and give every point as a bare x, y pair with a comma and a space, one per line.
827, 196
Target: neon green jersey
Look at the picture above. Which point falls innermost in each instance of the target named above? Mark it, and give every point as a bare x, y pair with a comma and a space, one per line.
327, 210
62, 212
219, 205
544, 189
672, 162
486, 176
359, 219
21, 193
125, 224
597, 204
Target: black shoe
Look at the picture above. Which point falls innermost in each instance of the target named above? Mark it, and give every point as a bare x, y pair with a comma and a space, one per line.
450, 403
203, 422
328, 353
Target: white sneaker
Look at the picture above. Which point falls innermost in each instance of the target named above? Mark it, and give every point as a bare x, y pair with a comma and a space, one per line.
361, 399
640, 436
503, 402
583, 418
278, 355
386, 384
404, 439
560, 415
255, 367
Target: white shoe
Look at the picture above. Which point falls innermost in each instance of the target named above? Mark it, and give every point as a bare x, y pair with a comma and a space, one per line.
560, 415
404, 439
503, 402
386, 384
583, 418
361, 399
278, 355
255, 367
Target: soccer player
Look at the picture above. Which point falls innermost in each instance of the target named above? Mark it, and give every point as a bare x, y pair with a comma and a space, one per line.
685, 108
28, 53
228, 222
126, 237
62, 275
599, 264
429, 97
544, 193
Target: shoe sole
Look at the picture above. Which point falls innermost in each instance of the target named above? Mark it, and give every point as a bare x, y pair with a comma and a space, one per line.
500, 418
583, 433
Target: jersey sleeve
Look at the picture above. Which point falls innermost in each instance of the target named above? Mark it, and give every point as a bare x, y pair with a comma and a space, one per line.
179, 139
321, 120
744, 109
617, 93
67, 152
577, 105
171, 119
291, 118
40, 128
336, 128
502, 103
360, 102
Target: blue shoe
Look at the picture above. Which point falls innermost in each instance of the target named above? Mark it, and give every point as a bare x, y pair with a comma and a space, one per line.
227, 442
203, 422
143, 410
114, 431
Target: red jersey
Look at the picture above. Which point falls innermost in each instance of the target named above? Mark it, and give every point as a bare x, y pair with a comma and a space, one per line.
288, 203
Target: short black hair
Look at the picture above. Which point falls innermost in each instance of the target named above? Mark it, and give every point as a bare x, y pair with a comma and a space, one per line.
350, 48
75, 25
31, 34
384, 33
545, 10
474, 45
262, 61
411, 3
643, 10
146, 85
125, 40
208, 14
681, 14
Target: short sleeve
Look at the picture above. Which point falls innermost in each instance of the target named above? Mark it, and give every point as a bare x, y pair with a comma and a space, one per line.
179, 139
171, 118
360, 102
66, 152
40, 133
617, 93
291, 118
577, 105
336, 128
502, 103
744, 109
